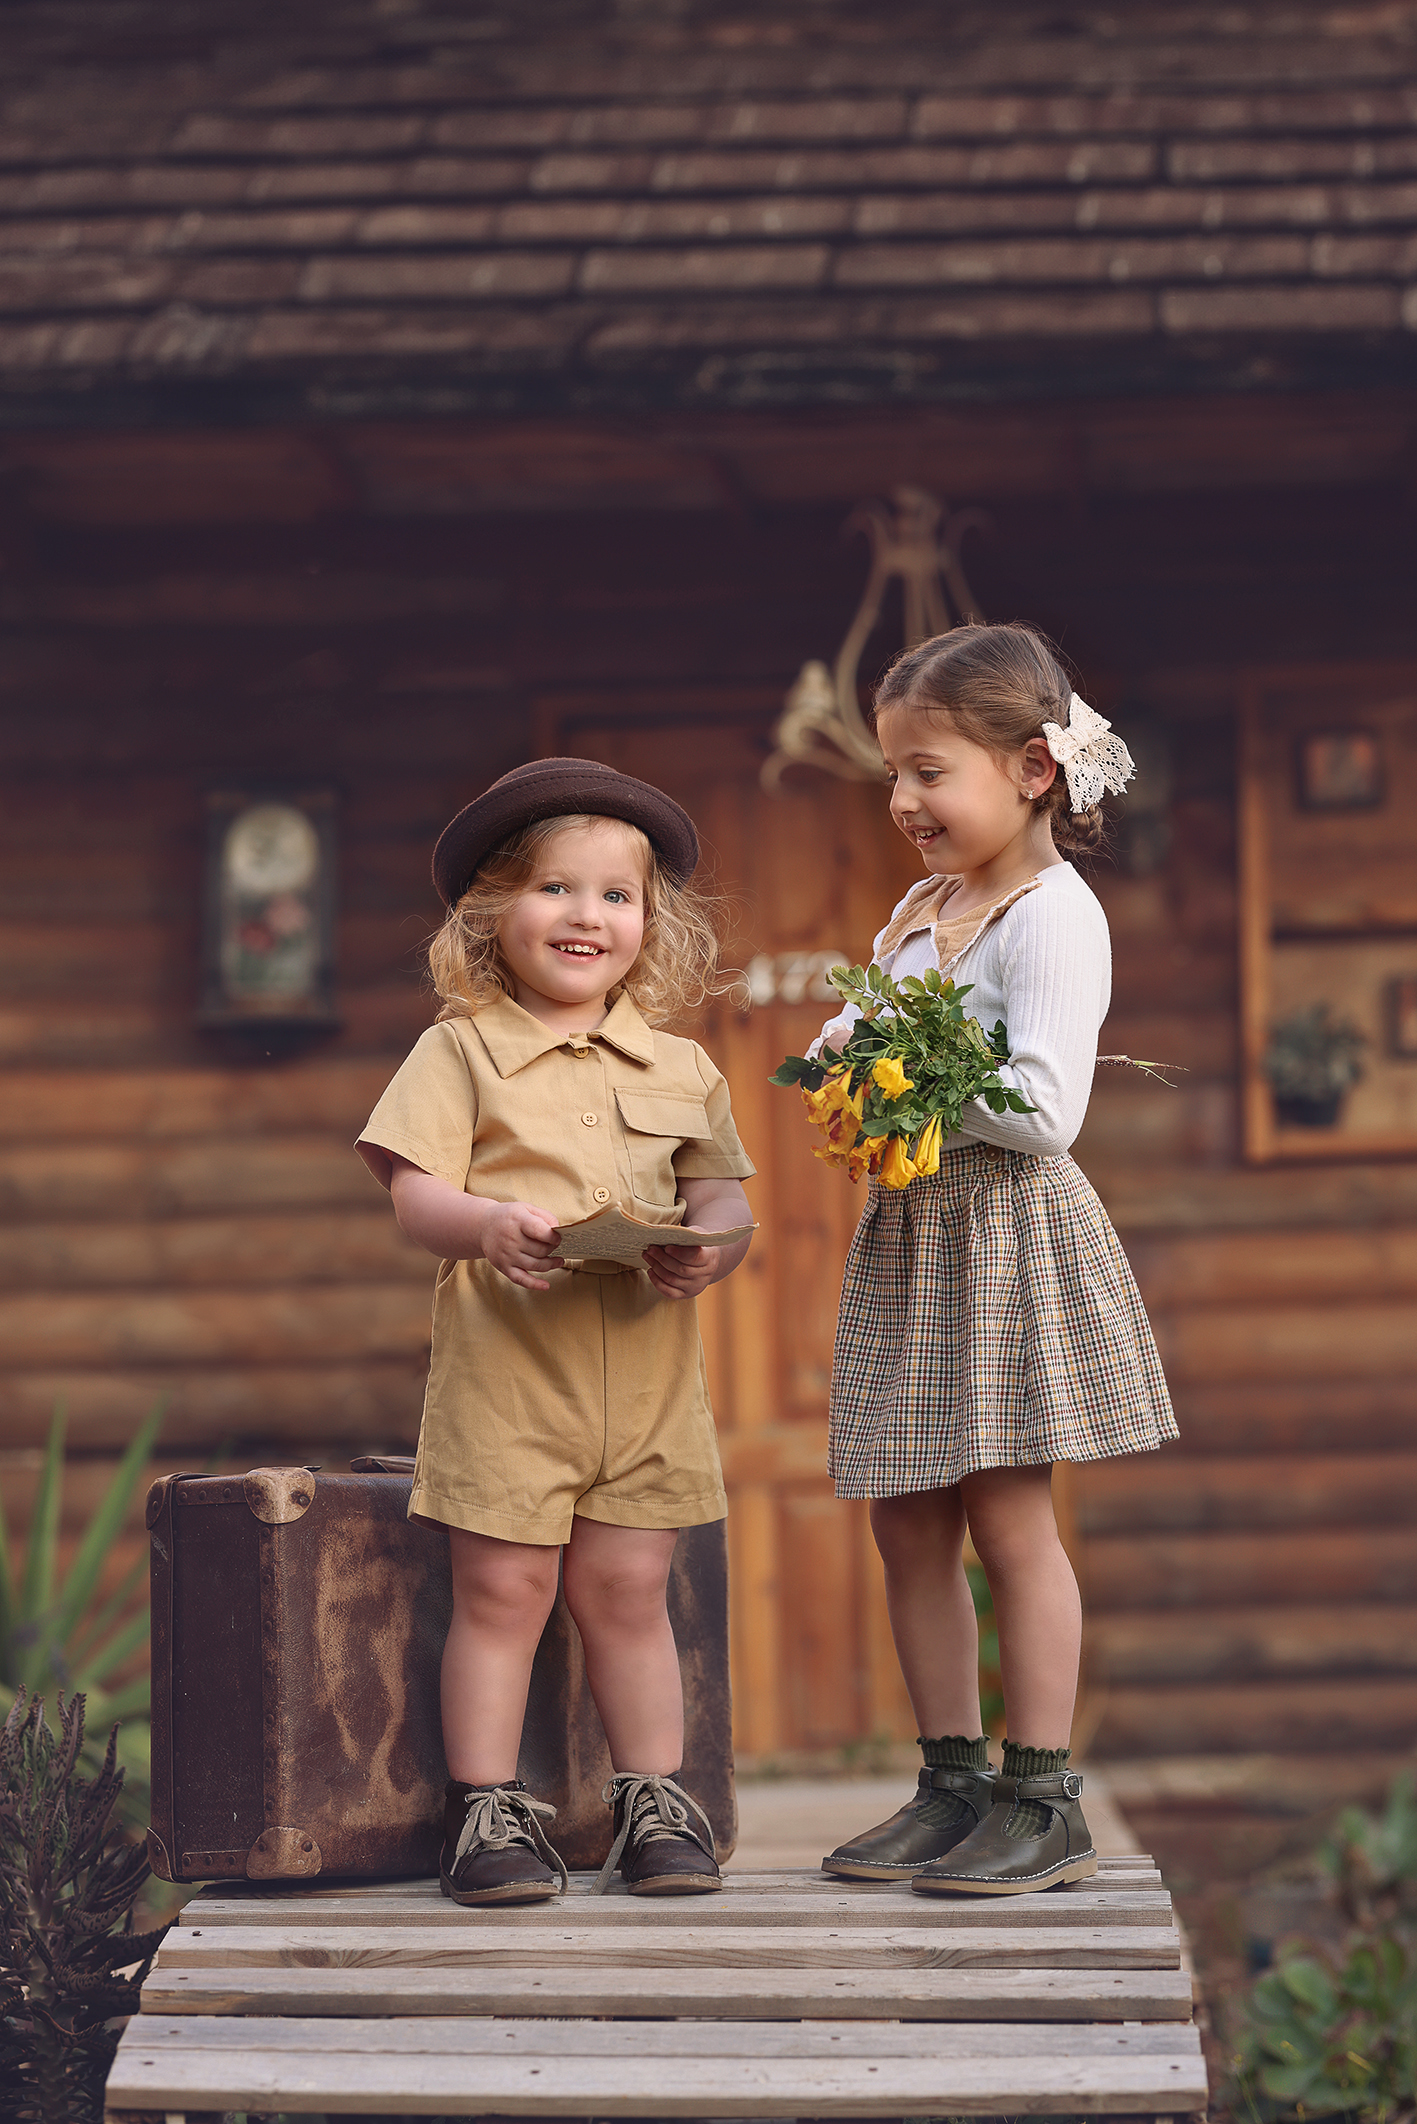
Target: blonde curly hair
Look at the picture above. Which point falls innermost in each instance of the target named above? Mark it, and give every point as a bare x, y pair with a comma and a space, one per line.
675, 973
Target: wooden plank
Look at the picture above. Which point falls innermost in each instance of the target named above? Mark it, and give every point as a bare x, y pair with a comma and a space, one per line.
1147, 1573
1002, 1994
628, 2086
1352, 1340
1297, 1416
1231, 1644
764, 1908
101, 1327
1325, 1266
485, 1943
671, 2039
1372, 1712
375, 1402
315, 1093
1188, 1198
313, 1246
1191, 1491
742, 1887
386, 1015
302, 1170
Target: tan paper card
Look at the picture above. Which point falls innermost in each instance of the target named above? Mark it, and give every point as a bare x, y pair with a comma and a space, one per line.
612, 1235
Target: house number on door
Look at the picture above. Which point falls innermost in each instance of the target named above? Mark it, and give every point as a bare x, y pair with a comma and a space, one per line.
793, 976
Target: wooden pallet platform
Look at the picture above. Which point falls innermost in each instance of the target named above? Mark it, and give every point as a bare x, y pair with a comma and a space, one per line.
789, 1995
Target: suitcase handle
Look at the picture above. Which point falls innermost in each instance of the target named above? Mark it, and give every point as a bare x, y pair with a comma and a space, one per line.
382, 1464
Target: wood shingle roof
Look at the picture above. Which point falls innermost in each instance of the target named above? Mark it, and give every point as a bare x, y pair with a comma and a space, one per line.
386, 205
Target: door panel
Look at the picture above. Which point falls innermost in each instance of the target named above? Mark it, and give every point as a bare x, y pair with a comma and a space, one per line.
813, 871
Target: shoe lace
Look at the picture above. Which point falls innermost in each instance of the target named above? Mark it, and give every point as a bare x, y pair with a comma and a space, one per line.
652, 1807
498, 1818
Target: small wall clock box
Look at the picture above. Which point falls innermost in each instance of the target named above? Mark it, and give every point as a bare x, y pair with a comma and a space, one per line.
268, 917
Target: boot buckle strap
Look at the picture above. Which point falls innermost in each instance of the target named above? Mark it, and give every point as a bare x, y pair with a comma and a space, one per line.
953, 1780
1062, 1784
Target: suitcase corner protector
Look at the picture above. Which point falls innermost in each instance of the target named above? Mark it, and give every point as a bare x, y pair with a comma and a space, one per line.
279, 1496
157, 1498
283, 1854
157, 1856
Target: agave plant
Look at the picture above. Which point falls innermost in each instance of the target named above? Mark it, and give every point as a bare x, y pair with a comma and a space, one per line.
70, 1961
58, 1638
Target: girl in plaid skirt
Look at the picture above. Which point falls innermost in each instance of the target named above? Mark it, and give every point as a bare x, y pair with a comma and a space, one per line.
990, 1324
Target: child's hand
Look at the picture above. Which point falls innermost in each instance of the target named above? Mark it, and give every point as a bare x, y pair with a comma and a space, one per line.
681, 1271
518, 1240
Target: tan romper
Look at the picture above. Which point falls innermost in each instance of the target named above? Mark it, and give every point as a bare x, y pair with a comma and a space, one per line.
589, 1398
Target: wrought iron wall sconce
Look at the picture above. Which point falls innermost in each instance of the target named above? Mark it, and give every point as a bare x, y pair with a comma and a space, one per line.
268, 919
913, 542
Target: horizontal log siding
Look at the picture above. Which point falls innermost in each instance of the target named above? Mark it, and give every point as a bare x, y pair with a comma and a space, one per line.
181, 1223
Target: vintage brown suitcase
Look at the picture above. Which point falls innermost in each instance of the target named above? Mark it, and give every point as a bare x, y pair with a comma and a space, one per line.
298, 1620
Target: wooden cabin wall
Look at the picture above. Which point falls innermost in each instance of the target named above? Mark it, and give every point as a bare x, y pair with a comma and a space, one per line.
187, 1220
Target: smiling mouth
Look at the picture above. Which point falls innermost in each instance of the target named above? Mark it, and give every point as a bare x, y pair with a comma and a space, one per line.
922, 834
581, 951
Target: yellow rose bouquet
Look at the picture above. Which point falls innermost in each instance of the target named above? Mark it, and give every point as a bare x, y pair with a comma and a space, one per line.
911, 1066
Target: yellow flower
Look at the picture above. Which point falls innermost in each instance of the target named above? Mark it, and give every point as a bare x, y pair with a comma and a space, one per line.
862, 1157
832, 1098
927, 1150
896, 1169
889, 1073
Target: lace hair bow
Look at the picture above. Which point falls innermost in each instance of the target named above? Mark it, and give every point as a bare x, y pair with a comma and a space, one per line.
1092, 760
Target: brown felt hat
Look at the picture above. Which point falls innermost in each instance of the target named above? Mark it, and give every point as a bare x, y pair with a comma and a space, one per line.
552, 789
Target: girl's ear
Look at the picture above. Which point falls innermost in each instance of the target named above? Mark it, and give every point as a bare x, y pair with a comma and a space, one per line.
1040, 769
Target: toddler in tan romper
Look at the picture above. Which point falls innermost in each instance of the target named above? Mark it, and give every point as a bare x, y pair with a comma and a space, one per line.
567, 1419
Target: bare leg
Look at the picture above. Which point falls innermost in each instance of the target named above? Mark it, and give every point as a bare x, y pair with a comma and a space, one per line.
1036, 1600
614, 1580
503, 1592
921, 1540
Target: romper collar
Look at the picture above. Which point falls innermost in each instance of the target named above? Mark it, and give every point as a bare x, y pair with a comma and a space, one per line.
513, 1037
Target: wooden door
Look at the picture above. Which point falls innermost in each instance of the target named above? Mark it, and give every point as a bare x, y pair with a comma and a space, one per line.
808, 878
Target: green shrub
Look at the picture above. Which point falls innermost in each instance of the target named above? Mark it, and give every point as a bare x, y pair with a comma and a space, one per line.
1372, 1858
55, 1639
1324, 2036
70, 1960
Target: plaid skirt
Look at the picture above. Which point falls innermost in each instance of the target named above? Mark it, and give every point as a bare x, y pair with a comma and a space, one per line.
989, 1318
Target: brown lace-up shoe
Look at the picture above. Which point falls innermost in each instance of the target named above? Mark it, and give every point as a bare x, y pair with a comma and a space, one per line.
657, 1847
494, 1849
924, 1829
1007, 1854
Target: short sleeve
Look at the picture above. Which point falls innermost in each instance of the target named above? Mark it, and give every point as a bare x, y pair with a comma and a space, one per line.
428, 1114
724, 1158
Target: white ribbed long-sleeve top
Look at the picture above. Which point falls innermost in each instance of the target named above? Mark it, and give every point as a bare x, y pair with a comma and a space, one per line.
1045, 967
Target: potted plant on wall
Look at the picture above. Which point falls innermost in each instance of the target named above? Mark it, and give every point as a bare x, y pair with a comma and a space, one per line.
1312, 1060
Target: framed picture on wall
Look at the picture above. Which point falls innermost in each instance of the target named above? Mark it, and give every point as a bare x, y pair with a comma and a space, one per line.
268, 916
1340, 770
1328, 913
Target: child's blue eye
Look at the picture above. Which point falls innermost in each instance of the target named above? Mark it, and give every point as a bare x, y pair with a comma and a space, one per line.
620, 898
551, 886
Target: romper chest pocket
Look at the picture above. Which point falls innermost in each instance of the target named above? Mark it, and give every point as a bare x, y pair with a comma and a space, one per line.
655, 1124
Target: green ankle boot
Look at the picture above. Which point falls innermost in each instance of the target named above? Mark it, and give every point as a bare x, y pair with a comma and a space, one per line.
1034, 1836
951, 1799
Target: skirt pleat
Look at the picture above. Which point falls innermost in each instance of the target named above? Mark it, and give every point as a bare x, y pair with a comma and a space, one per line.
989, 1318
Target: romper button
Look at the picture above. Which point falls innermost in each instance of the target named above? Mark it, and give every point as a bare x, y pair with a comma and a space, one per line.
590, 1119
602, 1194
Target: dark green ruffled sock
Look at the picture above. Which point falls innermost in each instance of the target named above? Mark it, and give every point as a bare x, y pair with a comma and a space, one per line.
1031, 1817
951, 1752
